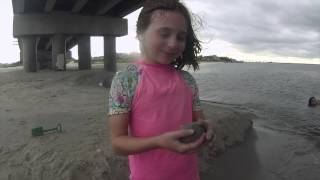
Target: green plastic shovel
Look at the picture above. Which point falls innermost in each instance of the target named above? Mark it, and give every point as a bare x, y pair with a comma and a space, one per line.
39, 131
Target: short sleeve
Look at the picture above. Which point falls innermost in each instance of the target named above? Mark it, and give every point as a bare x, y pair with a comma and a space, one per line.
196, 105
121, 93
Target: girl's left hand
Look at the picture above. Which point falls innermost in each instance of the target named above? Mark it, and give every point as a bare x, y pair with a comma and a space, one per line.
210, 135
210, 127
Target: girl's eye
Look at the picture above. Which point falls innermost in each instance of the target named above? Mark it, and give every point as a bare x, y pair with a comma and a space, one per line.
181, 38
164, 35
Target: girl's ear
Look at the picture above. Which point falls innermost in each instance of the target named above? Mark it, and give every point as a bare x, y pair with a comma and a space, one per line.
140, 38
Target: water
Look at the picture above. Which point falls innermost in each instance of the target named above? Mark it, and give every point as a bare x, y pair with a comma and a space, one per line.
277, 93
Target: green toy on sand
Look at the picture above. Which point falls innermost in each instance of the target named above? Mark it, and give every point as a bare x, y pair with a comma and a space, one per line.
39, 131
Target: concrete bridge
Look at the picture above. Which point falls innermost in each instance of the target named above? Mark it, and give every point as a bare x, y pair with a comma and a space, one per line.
48, 29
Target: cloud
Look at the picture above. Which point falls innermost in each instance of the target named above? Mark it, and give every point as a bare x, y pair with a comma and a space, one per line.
289, 28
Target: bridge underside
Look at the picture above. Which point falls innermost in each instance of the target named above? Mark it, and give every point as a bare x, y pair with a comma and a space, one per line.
48, 29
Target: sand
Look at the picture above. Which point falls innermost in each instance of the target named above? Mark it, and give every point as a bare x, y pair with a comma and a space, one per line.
82, 151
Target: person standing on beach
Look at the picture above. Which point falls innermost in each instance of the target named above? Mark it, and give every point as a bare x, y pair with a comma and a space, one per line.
151, 100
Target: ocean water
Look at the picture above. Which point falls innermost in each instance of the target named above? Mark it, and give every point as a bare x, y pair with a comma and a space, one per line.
277, 93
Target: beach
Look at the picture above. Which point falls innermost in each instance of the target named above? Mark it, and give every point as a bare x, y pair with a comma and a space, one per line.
244, 149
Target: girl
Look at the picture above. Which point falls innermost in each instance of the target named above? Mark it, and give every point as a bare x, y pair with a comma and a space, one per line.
153, 98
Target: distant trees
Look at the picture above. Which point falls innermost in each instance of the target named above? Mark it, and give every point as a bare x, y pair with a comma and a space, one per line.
121, 57
6, 65
214, 58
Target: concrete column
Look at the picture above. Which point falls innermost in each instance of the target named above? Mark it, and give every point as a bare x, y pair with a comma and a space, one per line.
58, 52
84, 52
44, 59
110, 63
21, 48
21, 56
29, 53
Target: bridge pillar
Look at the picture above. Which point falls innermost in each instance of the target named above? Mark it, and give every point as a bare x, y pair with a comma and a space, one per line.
44, 59
84, 52
29, 53
58, 52
110, 63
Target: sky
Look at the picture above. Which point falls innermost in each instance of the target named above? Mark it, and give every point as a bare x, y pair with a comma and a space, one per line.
285, 31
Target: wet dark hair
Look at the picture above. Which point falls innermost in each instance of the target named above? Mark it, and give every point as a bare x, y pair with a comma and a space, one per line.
193, 46
310, 100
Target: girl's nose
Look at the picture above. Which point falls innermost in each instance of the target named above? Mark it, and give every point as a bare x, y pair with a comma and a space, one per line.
173, 42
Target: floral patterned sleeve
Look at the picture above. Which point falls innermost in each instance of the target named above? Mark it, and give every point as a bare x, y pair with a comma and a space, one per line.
196, 105
121, 92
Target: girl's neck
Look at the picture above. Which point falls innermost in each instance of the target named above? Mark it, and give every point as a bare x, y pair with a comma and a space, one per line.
151, 61
156, 65
148, 61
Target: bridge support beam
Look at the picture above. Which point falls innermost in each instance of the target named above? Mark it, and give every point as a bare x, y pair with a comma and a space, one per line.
110, 63
29, 53
84, 52
58, 52
50, 24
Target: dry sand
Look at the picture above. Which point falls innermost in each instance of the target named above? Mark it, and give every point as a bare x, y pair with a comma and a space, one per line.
83, 152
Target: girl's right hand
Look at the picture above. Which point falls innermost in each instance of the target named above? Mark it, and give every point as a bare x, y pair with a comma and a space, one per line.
171, 141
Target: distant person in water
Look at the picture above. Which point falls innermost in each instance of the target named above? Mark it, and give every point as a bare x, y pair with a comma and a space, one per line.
313, 102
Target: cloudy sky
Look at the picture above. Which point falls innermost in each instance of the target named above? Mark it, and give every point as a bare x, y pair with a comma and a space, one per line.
250, 30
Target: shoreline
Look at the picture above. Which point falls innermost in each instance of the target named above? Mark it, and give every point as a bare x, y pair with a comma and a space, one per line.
71, 65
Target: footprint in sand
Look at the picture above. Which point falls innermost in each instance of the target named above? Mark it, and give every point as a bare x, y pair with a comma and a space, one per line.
77, 174
80, 173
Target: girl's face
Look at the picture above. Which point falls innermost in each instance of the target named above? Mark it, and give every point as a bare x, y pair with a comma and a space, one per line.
165, 38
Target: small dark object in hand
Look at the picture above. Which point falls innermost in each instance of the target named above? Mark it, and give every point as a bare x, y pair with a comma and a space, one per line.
198, 131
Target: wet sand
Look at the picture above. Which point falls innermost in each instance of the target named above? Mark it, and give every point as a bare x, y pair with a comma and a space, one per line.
268, 155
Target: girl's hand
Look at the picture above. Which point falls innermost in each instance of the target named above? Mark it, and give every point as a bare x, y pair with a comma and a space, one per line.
171, 141
210, 135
